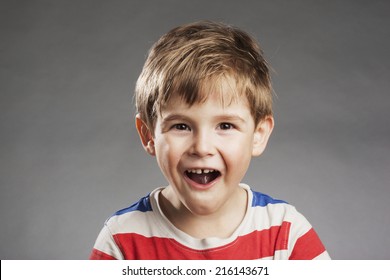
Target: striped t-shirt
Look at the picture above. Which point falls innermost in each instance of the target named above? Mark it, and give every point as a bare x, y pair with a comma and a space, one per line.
271, 229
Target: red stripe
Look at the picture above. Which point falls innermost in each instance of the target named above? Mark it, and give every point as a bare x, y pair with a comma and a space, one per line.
256, 245
99, 255
307, 247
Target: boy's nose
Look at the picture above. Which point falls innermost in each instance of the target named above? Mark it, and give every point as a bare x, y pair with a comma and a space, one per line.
202, 145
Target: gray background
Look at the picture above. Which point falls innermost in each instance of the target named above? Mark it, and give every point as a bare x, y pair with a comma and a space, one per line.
69, 151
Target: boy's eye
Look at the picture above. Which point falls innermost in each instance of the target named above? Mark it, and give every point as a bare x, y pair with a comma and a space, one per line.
181, 126
226, 126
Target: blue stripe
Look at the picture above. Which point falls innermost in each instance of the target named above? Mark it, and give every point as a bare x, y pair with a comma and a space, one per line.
142, 205
260, 199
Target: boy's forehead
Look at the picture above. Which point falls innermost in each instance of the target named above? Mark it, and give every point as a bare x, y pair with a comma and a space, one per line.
213, 104
224, 90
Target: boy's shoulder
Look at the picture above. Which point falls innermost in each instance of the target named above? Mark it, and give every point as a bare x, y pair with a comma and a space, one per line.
270, 204
138, 217
260, 199
142, 205
276, 211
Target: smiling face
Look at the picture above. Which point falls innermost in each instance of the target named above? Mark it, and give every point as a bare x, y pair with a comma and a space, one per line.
204, 150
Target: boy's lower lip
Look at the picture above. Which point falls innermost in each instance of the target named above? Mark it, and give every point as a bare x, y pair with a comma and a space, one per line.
201, 187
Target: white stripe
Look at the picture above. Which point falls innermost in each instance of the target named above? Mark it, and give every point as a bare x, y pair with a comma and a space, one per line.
323, 256
299, 226
106, 244
142, 223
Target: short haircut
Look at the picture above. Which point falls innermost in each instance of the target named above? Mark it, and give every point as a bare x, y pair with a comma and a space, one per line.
183, 60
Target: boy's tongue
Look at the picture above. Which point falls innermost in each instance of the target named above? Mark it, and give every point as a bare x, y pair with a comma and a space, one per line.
203, 178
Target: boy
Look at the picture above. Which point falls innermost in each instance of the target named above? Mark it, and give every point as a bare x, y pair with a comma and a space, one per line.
204, 110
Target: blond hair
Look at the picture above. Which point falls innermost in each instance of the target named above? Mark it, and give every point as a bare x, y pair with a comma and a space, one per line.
188, 56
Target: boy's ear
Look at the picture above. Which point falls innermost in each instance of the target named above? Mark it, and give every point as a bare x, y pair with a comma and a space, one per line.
145, 135
262, 133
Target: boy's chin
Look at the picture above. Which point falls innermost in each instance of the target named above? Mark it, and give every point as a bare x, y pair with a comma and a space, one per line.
203, 206
203, 210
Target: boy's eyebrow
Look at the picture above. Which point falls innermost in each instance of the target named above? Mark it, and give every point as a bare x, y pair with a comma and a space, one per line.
174, 117
223, 117
230, 117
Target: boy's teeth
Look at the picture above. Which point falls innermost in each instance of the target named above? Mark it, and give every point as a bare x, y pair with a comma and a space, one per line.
202, 176
200, 171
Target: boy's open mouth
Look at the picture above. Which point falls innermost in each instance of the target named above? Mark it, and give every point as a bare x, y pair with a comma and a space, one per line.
202, 176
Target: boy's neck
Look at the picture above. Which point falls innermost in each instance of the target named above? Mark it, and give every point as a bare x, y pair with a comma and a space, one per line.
221, 224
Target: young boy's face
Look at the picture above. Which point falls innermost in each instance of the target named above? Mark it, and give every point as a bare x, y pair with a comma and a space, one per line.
204, 150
